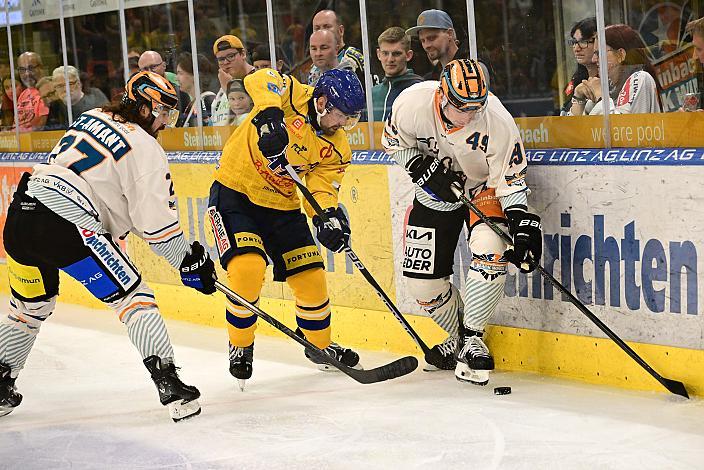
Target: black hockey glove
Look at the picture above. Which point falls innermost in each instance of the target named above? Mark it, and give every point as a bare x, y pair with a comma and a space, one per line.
434, 178
335, 234
273, 136
527, 233
197, 270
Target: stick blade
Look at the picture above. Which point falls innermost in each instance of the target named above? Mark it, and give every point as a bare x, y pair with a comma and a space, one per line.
392, 370
675, 387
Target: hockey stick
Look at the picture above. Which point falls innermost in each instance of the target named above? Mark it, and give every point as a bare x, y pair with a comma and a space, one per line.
673, 386
394, 369
359, 265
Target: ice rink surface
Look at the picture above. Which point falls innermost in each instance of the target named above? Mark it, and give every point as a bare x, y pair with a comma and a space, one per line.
89, 404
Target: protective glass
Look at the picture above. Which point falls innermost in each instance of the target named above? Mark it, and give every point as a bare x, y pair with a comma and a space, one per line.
170, 113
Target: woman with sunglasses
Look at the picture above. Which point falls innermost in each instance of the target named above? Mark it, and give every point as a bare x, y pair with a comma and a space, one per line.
582, 37
633, 86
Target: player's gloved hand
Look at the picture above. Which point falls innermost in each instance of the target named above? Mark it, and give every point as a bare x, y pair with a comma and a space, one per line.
198, 270
527, 233
435, 178
273, 136
335, 234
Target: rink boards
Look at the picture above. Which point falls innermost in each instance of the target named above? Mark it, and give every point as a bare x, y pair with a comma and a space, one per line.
622, 229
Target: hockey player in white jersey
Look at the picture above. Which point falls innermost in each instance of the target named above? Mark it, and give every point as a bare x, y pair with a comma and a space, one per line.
108, 176
456, 133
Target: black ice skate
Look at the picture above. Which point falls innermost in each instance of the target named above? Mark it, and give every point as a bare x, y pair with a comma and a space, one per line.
442, 356
473, 359
179, 397
9, 398
344, 355
241, 363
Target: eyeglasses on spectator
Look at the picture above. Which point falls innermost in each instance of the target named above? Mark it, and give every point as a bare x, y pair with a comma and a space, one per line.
227, 58
29, 68
582, 43
151, 68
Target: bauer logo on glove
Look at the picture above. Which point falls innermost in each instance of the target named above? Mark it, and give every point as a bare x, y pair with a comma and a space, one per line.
527, 233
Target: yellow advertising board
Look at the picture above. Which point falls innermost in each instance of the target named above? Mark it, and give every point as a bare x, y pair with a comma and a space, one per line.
627, 130
364, 195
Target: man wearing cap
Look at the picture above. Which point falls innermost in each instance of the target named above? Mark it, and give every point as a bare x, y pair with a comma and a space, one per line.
437, 35
232, 64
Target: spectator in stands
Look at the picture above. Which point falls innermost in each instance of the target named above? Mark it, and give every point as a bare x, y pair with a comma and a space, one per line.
394, 52
197, 104
240, 102
323, 54
350, 57
30, 68
582, 37
232, 63
438, 37
56, 119
261, 58
133, 60
31, 110
81, 100
696, 29
153, 62
7, 107
633, 86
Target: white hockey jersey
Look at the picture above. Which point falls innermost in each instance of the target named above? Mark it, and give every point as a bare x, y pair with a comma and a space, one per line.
488, 151
638, 95
111, 176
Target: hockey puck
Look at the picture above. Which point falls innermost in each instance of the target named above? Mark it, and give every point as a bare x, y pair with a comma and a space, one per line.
502, 390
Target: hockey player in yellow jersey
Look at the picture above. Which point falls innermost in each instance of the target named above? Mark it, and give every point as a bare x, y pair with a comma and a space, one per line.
255, 211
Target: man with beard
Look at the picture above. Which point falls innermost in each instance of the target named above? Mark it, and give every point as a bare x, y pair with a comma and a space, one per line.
438, 37
255, 211
31, 111
106, 177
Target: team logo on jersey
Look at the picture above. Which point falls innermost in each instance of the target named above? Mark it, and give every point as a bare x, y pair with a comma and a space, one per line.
299, 148
222, 242
419, 250
518, 179
431, 145
110, 257
272, 87
296, 126
490, 266
326, 152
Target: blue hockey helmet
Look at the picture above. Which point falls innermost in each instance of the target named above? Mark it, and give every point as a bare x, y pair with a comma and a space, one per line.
344, 92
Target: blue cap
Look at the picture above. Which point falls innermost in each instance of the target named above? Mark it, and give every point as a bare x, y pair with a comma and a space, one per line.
431, 19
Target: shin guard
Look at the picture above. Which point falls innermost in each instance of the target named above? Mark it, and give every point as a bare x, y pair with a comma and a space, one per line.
246, 276
312, 305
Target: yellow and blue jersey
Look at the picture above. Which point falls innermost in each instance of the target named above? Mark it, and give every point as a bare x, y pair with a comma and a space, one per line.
319, 159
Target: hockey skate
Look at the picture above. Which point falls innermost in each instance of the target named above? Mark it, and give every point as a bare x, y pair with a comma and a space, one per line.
473, 359
241, 363
344, 355
9, 398
442, 356
179, 397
